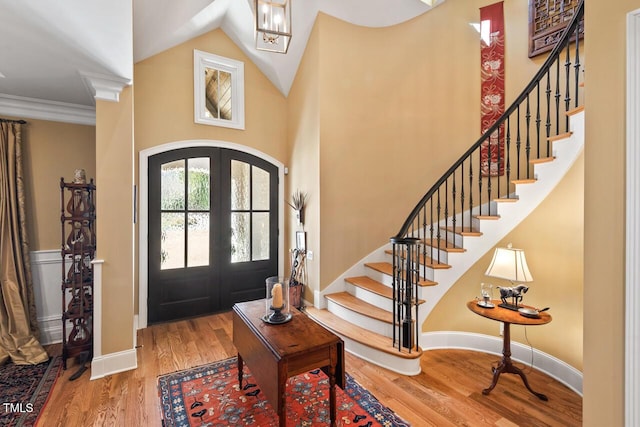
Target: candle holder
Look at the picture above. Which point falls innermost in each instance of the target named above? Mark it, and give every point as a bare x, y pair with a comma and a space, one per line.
277, 301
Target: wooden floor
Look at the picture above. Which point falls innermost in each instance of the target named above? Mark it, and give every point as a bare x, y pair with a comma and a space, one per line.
448, 392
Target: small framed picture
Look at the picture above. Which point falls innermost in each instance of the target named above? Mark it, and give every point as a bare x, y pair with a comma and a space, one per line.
301, 240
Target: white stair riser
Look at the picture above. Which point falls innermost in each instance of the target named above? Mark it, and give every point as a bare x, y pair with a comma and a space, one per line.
393, 363
370, 297
358, 319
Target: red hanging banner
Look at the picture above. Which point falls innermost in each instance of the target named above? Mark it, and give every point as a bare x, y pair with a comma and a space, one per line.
492, 87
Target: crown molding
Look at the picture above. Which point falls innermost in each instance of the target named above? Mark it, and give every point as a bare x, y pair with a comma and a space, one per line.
41, 109
104, 87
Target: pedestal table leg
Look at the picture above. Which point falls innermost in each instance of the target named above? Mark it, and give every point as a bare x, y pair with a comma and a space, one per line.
508, 367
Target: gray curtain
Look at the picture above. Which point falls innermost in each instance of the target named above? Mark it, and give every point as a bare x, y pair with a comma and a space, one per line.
18, 323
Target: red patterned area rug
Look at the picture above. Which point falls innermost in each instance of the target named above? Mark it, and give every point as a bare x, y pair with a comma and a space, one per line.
24, 390
209, 396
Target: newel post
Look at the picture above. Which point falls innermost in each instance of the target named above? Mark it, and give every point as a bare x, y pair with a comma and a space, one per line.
405, 292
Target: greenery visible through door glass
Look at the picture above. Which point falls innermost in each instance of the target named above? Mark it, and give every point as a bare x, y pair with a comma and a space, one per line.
199, 184
172, 240
172, 185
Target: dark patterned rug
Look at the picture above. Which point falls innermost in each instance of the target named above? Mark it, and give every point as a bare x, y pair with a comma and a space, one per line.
24, 390
209, 396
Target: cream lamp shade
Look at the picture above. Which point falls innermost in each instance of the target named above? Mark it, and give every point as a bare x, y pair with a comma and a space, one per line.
510, 264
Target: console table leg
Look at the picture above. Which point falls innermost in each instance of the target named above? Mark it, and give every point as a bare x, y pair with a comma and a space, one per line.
240, 366
332, 384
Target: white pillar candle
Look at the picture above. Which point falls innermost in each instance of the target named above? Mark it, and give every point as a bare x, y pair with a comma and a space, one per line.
276, 294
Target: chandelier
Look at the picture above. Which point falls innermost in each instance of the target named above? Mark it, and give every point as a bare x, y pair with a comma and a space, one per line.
273, 25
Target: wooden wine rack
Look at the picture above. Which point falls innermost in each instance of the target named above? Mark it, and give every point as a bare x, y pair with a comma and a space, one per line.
78, 221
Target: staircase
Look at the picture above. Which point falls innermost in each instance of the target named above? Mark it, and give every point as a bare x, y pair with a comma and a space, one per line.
454, 225
358, 306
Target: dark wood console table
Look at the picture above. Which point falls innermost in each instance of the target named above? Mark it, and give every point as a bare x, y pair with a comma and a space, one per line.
508, 317
277, 352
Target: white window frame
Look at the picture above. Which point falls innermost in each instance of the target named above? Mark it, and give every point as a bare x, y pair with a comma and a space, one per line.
202, 60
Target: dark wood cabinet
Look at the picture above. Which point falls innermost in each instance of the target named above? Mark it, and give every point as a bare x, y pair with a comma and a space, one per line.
78, 224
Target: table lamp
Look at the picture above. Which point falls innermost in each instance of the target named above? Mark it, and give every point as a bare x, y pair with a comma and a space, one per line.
511, 264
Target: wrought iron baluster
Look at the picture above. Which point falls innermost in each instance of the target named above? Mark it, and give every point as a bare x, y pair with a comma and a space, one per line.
480, 176
538, 120
518, 141
548, 92
577, 64
557, 97
567, 95
453, 216
508, 163
470, 191
438, 216
461, 199
527, 146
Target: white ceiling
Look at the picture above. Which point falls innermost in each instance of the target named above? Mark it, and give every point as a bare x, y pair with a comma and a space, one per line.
53, 50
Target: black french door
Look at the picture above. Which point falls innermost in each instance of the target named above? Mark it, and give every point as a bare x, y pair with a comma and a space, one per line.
213, 230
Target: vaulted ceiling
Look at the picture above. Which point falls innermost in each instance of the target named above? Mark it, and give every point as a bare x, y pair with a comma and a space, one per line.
68, 50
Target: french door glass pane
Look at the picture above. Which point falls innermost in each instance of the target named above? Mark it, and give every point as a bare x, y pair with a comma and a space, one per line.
260, 236
198, 242
199, 184
240, 236
172, 185
260, 189
240, 186
172, 240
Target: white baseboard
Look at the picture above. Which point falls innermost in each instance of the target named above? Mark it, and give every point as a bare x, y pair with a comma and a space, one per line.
112, 363
50, 329
555, 368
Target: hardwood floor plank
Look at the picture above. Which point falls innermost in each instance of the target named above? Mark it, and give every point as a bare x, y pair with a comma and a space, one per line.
448, 391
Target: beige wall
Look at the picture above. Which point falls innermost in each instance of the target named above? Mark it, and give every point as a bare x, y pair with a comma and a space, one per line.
114, 219
397, 106
304, 145
164, 100
552, 237
604, 212
52, 150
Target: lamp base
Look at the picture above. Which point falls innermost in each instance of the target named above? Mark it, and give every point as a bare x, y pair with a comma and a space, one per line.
513, 307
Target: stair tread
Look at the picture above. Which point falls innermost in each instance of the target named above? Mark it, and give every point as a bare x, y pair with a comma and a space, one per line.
350, 302
387, 268
541, 160
524, 181
371, 285
425, 260
488, 217
560, 136
358, 334
464, 231
506, 200
575, 111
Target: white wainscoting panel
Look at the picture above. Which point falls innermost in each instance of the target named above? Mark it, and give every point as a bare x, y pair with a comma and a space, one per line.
46, 268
